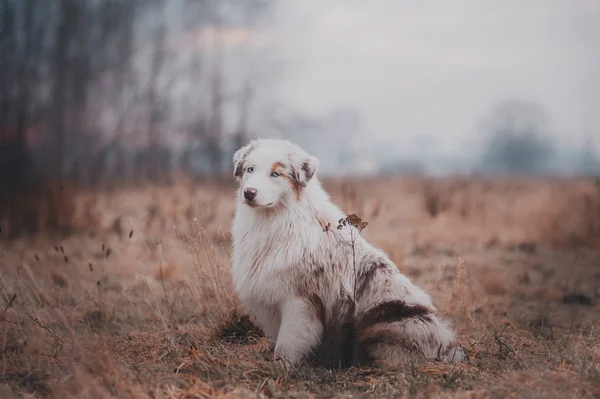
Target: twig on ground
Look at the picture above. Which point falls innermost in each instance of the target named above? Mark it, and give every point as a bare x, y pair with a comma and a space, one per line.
8, 306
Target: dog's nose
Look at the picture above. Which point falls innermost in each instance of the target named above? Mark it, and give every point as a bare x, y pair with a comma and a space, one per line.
250, 193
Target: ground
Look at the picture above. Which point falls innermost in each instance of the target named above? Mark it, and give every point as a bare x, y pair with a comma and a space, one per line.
138, 302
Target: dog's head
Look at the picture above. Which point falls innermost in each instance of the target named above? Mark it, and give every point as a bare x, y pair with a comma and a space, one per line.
272, 172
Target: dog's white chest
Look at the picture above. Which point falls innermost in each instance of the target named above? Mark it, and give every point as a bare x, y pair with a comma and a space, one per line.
256, 279
266, 257
255, 269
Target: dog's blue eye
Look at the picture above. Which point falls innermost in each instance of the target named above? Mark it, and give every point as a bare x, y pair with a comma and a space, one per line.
275, 174
250, 169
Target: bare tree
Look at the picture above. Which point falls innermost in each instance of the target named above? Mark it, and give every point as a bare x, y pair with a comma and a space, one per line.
156, 106
215, 133
19, 52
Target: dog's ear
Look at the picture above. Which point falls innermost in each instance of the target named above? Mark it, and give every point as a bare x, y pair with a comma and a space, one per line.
239, 157
304, 167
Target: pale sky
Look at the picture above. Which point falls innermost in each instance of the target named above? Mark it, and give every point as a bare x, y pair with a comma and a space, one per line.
435, 67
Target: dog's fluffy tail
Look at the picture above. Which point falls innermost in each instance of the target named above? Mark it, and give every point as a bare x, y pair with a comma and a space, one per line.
394, 333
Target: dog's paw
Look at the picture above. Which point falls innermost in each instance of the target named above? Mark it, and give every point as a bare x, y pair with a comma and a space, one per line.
284, 362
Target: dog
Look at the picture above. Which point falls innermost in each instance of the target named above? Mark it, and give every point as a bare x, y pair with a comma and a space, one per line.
316, 287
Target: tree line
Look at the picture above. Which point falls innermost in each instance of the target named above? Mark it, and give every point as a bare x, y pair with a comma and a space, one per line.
88, 87
94, 90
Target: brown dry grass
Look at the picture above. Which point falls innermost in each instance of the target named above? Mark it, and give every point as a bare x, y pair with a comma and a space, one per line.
142, 305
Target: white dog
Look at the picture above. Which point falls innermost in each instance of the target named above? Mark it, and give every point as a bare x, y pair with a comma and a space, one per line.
317, 289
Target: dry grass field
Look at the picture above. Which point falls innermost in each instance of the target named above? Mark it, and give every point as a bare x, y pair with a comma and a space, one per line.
139, 303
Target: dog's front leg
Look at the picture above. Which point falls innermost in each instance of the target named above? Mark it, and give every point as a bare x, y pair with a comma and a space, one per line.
300, 331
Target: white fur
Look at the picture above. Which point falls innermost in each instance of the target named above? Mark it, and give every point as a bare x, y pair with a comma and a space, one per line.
296, 279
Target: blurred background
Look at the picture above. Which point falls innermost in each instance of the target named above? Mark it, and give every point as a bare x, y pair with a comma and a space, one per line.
465, 132
95, 91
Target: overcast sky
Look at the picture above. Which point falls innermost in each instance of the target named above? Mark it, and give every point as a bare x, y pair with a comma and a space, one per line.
433, 68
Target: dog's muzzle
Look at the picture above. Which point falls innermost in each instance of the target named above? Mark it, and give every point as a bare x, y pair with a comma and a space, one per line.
250, 194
